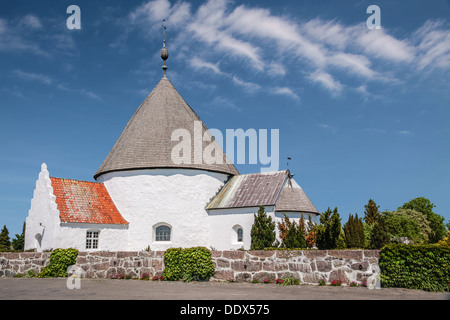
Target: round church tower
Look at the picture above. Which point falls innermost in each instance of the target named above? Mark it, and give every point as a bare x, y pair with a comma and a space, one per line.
157, 175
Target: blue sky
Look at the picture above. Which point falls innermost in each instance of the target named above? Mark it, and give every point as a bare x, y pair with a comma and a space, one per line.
362, 113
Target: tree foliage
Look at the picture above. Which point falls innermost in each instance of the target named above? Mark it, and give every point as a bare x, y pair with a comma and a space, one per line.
407, 223
425, 206
18, 243
292, 234
263, 231
328, 231
5, 243
354, 232
371, 213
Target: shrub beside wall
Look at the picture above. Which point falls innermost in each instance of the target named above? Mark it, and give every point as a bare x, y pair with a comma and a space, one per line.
60, 260
425, 267
188, 264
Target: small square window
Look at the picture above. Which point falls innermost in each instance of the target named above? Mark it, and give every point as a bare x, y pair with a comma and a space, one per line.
92, 239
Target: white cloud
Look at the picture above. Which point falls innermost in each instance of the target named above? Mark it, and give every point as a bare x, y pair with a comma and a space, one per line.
328, 52
380, 45
249, 87
33, 77
434, 45
31, 21
200, 64
327, 81
286, 92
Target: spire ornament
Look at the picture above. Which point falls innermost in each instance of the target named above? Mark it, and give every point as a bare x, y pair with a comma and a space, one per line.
164, 52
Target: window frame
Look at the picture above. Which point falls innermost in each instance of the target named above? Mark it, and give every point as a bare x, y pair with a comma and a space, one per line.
92, 239
157, 238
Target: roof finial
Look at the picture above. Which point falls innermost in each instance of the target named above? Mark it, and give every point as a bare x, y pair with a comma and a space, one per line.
164, 52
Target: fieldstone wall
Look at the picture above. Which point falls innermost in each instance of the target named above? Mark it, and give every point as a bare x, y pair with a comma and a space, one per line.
12, 263
309, 266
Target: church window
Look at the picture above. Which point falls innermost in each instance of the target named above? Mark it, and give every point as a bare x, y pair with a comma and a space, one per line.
162, 233
92, 240
240, 235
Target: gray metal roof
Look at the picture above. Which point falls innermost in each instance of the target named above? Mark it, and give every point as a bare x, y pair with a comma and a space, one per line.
146, 140
263, 189
250, 190
294, 199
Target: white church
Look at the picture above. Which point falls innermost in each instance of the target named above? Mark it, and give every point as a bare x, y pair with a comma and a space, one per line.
142, 199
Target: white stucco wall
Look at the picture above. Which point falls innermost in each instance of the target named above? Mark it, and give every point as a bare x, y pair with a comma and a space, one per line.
43, 216
223, 224
43, 221
112, 237
174, 197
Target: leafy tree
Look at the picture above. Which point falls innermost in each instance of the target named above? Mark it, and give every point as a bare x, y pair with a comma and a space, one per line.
371, 213
329, 230
408, 223
425, 206
19, 242
354, 232
263, 231
5, 244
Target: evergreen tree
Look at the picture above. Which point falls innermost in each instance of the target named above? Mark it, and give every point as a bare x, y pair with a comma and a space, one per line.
329, 230
263, 231
354, 232
295, 235
5, 244
19, 242
371, 213
283, 227
380, 235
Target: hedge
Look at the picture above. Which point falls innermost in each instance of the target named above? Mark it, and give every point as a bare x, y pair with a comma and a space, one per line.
188, 264
425, 267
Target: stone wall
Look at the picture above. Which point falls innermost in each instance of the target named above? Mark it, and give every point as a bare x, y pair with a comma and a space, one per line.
309, 266
12, 263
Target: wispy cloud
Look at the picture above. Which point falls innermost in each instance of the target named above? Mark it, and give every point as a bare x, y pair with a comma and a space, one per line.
327, 81
285, 91
198, 63
327, 51
29, 76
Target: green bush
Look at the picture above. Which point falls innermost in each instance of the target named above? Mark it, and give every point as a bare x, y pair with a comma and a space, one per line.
425, 267
60, 260
188, 264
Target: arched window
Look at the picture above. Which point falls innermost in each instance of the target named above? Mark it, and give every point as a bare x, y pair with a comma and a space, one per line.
237, 234
240, 235
162, 233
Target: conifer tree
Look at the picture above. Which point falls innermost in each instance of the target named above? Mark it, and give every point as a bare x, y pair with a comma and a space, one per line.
5, 244
371, 213
263, 231
19, 242
295, 235
329, 230
354, 232
380, 235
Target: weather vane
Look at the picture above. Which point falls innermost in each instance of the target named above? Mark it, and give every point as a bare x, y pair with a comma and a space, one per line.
164, 52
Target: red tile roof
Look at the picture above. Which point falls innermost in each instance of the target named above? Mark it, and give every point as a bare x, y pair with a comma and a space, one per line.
85, 202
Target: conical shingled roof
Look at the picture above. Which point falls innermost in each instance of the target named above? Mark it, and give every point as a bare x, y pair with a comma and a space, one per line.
145, 143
